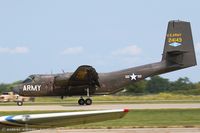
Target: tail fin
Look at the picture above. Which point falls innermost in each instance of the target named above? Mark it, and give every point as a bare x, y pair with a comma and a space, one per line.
179, 47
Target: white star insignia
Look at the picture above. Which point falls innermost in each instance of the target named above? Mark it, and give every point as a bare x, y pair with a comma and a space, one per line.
133, 76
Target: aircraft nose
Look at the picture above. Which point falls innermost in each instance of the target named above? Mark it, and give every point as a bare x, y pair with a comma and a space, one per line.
16, 89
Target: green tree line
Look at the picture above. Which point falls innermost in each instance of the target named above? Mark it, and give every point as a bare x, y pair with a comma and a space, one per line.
158, 84
7, 87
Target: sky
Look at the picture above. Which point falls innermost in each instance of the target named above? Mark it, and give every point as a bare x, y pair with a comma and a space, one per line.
49, 36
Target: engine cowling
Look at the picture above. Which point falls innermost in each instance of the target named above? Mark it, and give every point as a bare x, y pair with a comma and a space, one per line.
84, 77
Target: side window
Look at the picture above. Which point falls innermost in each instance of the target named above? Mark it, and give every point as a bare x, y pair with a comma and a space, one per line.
29, 79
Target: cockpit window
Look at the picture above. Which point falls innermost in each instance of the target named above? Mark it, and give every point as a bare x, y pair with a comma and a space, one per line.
29, 79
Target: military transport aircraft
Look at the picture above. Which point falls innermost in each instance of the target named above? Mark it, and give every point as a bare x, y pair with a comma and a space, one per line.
178, 54
25, 122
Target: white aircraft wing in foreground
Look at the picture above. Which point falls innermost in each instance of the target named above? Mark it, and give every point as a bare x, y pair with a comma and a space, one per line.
52, 120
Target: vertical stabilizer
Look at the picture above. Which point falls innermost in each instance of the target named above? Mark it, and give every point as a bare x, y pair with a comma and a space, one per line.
179, 47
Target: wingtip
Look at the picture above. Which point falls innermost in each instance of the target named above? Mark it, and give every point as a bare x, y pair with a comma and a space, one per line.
126, 110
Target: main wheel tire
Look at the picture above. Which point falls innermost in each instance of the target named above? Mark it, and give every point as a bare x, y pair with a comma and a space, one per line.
88, 101
19, 103
81, 101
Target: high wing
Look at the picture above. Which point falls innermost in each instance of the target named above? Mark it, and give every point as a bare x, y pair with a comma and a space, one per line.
52, 120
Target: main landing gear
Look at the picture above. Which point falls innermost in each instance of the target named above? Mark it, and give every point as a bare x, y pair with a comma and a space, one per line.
87, 101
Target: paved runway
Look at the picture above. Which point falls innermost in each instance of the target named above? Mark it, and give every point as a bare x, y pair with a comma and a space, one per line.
133, 130
99, 107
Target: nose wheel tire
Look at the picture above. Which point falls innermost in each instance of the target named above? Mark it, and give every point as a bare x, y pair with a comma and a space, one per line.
88, 101
81, 101
19, 103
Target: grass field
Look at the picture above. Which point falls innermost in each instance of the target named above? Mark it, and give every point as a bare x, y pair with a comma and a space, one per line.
152, 118
110, 99
156, 97
143, 118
